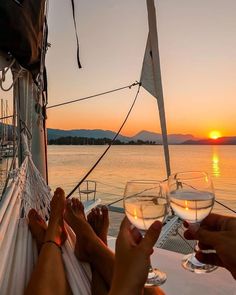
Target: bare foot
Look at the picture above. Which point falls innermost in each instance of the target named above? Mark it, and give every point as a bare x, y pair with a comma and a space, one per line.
99, 221
86, 238
37, 227
56, 231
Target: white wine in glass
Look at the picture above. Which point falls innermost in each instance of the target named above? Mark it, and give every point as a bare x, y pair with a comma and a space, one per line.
191, 196
144, 203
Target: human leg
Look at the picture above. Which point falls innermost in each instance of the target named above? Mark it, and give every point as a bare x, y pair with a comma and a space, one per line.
99, 221
47, 279
89, 247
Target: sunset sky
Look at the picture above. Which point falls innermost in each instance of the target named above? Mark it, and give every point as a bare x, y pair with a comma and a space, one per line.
197, 42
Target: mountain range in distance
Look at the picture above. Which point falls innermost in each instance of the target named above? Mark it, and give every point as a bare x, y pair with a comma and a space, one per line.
144, 135
230, 140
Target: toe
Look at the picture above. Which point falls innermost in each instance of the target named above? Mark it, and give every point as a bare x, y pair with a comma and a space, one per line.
59, 191
80, 205
59, 194
69, 206
98, 217
97, 211
90, 219
104, 210
69, 213
58, 200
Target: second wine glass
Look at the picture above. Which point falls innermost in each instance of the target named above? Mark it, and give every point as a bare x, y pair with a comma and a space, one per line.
145, 203
192, 196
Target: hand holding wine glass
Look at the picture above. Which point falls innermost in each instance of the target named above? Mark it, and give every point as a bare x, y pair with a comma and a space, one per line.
132, 258
145, 203
191, 196
217, 232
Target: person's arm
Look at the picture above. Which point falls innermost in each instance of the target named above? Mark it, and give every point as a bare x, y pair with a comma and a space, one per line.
49, 276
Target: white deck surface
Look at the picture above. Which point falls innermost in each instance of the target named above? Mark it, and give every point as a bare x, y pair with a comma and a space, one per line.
182, 282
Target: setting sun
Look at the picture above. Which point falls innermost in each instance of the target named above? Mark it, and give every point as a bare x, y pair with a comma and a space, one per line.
214, 134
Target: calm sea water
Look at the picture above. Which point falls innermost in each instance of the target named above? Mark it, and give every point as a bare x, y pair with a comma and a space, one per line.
68, 164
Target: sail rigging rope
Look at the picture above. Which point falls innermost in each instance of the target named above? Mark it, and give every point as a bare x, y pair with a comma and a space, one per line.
109, 146
94, 95
85, 98
76, 33
7, 117
232, 210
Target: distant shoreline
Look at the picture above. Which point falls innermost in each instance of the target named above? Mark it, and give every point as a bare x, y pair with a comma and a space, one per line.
75, 140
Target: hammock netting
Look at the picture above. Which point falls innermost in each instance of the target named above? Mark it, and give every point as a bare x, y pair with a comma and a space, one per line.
18, 250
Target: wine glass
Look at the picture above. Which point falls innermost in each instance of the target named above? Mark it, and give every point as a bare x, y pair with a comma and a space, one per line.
191, 195
145, 203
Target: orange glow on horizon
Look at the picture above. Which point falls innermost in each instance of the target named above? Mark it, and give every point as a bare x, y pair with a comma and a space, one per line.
214, 134
84, 120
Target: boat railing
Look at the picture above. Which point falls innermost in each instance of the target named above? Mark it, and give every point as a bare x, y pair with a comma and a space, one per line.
88, 188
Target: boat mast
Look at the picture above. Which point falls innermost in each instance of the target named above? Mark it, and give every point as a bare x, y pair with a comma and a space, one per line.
31, 110
31, 119
151, 76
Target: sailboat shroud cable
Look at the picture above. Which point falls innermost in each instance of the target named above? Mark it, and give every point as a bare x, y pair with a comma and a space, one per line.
109, 146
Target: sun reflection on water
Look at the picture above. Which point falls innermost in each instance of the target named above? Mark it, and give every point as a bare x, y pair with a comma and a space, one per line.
215, 162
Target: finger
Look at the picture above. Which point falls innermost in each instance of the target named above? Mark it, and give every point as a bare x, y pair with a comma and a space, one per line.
124, 232
210, 238
214, 221
209, 258
137, 237
204, 246
188, 235
151, 237
186, 224
125, 225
